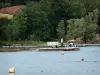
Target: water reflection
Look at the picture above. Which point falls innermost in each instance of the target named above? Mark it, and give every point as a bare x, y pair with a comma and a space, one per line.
11, 73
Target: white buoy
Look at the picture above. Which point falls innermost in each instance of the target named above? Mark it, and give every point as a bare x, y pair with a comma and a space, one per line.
62, 53
12, 70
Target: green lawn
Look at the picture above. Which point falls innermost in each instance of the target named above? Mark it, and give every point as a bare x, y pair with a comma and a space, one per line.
30, 42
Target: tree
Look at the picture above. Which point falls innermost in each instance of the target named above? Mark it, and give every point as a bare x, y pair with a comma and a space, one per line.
33, 23
5, 3
20, 25
74, 28
3, 25
40, 26
45, 5
61, 29
85, 27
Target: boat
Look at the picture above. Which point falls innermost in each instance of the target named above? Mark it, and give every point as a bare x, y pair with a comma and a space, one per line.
69, 47
59, 49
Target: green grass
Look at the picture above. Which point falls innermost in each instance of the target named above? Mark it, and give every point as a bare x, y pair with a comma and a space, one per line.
21, 42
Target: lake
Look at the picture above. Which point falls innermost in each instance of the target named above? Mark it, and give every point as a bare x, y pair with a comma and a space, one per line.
52, 62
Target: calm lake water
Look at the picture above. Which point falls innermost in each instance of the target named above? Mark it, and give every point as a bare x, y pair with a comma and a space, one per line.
52, 63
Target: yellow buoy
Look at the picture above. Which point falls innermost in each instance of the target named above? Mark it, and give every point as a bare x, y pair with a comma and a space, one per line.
62, 53
12, 70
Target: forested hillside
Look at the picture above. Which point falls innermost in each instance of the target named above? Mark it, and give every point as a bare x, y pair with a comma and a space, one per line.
45, 20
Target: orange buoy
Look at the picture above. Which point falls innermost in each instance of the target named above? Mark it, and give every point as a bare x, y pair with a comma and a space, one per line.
82, 60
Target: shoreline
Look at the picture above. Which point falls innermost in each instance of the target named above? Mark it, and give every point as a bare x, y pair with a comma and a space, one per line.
31, 48
15, 49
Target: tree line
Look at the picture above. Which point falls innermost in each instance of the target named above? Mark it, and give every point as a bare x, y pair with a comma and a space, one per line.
46, 20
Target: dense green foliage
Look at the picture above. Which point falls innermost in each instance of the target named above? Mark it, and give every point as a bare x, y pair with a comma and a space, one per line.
44, 20
5, 3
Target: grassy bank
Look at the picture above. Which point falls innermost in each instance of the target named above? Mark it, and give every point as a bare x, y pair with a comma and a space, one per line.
21, 42
18, 43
